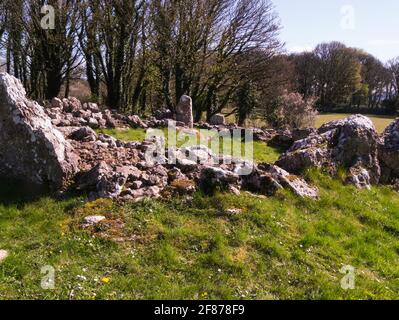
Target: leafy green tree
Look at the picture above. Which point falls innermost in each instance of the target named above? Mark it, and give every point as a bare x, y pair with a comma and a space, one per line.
338, 75
360, 97
246, 101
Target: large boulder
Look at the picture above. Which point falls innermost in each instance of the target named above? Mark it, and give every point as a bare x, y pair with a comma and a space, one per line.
281, 138
31, 148
83, 134
356, 142
57, 103
184, 111
268, 179
213, 178
351, 143
106, 181
389, 153
307, 153
135, 122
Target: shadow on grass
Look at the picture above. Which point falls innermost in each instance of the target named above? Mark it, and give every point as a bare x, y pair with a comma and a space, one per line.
279, 148
17, 192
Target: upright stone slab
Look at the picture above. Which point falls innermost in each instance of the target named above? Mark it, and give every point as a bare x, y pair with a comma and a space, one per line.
31, 148
184, 111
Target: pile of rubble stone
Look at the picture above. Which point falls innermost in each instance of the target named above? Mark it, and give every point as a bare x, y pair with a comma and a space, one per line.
47, 149
58, 147
352, 143
110, 168
71, 112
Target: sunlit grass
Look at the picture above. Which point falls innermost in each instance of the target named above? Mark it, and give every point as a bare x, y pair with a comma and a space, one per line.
281, 247
125, 134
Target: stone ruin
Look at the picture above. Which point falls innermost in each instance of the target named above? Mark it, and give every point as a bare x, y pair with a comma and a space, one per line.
57, 147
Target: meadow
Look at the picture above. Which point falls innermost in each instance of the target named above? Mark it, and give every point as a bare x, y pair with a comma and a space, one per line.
380, 121
221, 247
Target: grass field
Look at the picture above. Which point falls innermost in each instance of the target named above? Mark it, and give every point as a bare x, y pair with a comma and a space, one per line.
280, 247
277, 248
380, 122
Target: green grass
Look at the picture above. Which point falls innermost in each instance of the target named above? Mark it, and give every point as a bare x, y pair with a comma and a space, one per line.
380, 122
281, 247
125, 134
261, 151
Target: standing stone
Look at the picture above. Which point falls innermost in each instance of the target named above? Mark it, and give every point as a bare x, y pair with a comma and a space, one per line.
218, 120
31, 148
388, 153
184, 111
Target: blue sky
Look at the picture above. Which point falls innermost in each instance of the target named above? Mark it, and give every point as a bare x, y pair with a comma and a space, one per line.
372, 25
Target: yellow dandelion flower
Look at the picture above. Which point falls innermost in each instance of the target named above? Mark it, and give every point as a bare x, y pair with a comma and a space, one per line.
105, 280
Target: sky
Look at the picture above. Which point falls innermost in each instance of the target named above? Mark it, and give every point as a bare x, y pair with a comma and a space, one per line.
372, 25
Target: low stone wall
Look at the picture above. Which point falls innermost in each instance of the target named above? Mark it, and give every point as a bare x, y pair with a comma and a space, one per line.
57, 146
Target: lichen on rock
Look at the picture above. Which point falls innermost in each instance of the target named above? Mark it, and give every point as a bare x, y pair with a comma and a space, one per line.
31, 148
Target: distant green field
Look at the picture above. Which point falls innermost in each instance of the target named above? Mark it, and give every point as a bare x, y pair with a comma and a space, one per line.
380, 122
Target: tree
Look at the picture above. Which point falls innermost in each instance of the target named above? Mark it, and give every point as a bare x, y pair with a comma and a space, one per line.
393, 70
377, 77
246, 101
199, 46
41, 58
361, 96
331, 72
87, 35
293, 111
306, 72
265, 79
53, 53
113, 42
338, 75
